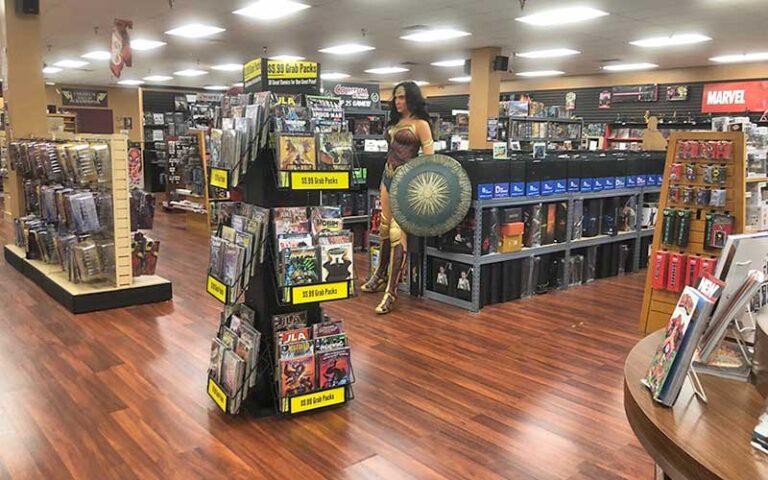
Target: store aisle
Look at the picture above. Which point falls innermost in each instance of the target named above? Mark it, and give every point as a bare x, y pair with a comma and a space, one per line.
530, 389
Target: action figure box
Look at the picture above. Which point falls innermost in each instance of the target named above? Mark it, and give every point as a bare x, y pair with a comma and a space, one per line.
574, 173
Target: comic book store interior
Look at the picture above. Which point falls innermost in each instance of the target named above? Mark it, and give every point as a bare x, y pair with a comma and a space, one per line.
352, 239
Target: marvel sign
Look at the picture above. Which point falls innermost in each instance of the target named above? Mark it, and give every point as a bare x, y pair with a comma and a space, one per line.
735, 97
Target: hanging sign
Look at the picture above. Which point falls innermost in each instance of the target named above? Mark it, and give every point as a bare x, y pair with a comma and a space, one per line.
122, 55
280, 76
356, 96
735, 97
83, 97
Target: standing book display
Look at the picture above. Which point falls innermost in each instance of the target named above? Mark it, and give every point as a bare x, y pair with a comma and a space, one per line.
187, 179
304, 259
75, 241
702, 202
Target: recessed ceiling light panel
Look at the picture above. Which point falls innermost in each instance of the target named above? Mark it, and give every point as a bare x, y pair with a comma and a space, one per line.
142, 44
130, 82
386, 70
52, 69
287, 58
97, 55
190, 72
671, 41
550, 53
229, 67
562, 16
741, 58
435, 35
450, 63
540, 73
347, 49
627, 67
70, 63
461, 79
216, 87
271, 9
158, 78
195, 30
333, 76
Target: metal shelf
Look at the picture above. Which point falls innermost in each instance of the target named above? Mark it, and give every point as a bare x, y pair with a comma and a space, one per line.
456, 302
454, 257
374, 238
511, 202
647, 232
543, 119
525, 252
356, 219
607, 193
602, 240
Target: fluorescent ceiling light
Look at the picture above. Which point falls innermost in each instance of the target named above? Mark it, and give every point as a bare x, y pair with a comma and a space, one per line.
450, 63
671, 41
52, 69
741, 58
386, 70
195, 30
287, 58
625, 67
333, 76
271, 9
130, 82
420, 83
158, 78
435, 35
71, 63
347, 49
561, 16
97, 55
238, 84
551, 53
190, 72
216, 87
50, 84
229, 67
143, 44
540, 73
461, 79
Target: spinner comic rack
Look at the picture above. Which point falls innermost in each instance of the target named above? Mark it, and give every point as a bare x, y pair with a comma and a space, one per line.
268, 191
126, 290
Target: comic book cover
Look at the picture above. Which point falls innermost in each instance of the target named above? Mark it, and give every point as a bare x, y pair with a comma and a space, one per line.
292, 336
300, 266
331, 342
327, 113
344, 236
336, 262
217, 355
334, 368
285, 242
291, 220
289, 321
297, 376
216, 260
233, 256
297, 152
292, 119
325, 220
335, 151
229, 338
324, 329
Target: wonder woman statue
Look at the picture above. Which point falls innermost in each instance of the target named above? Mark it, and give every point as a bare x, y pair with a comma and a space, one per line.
408, 131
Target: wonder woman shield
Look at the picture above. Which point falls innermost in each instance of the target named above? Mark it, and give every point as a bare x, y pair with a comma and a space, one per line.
430, 195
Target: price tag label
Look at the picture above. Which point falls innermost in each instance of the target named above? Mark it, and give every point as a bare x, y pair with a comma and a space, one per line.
216, 288
320, 180
217, 395
317, 400
319, 293
219, 178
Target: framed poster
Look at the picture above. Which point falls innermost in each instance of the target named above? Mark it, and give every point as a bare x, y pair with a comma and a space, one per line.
635, 94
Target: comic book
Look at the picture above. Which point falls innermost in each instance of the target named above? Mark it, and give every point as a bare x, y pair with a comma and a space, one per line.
327, 113
232, 372
326, 220
324, 329
233, 262
290, 220
300, 266
292, 119
289, 321
296, 152
216, 260
335, 151
292, 336
217, 355
334, 368
336, 261
285, 242
297, 375
331, 343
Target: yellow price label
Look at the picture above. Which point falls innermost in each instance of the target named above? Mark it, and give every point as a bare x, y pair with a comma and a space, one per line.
319, 180
252, 70
219, 178
319, 293
317, 400
283, 70
218, 395
217, 289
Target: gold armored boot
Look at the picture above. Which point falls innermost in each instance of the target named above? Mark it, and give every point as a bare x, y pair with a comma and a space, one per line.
396, 268
378, 280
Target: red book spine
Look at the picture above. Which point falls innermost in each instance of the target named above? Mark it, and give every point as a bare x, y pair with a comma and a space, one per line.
676, 273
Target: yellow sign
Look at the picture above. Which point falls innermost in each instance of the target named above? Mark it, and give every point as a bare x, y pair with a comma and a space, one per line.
319, 293
317, 400
252, 70
319, 180
219, 178
282, 70
218, 395
217, 289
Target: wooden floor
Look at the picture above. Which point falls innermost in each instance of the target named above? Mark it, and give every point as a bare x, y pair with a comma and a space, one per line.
528, 390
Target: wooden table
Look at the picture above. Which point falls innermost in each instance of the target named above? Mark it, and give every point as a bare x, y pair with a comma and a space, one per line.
693, 440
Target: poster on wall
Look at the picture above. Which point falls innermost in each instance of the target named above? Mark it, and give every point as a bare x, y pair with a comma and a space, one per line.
604, 101
83, 97
677, 93
570, 101
735, 97
135, 169
122, 55
634, 93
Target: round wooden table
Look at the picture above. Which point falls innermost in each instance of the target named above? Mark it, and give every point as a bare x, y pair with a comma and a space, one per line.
694, 440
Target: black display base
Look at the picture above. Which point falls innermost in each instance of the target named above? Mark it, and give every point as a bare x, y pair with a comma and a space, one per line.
151, 291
